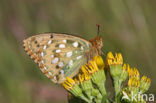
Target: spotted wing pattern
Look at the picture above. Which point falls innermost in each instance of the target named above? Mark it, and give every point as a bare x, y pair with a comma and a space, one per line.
58, 55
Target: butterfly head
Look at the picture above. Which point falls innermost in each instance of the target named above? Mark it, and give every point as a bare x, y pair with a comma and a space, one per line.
97, 42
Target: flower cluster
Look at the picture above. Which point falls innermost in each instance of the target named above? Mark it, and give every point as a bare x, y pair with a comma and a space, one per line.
137, 85
121, 72
89, 84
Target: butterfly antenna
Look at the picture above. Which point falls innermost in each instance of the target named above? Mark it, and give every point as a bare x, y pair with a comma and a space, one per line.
98, 29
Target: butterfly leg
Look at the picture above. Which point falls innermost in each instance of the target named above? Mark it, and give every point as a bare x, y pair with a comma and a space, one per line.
101, 52
89, 55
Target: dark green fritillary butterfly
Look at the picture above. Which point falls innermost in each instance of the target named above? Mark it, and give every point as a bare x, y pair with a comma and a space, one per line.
61, 55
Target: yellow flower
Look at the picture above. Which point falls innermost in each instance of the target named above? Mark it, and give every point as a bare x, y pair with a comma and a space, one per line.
68, 83
93, 66
126, 67
134, 73
124, 73
115, 64
87, 76
85, 69
146, 79
76, 80
110, 55
89, 69
130, 70
144, 84
117, 60
99, 62
81, 78
133, 82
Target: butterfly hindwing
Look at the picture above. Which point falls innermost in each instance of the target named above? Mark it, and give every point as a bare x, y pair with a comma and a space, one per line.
58, 55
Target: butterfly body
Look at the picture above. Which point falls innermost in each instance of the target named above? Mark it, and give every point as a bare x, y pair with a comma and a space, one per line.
60, 55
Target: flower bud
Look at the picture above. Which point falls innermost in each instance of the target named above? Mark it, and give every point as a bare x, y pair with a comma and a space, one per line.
144, 84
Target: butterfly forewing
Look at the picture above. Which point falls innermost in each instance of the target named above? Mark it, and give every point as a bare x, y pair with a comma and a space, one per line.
58, 55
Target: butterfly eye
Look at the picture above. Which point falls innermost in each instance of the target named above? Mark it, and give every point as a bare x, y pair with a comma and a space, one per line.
99, 42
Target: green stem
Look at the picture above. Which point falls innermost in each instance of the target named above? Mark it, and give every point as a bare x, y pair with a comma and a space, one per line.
117, 86
103, 92
97, 95
85, 99
102, 89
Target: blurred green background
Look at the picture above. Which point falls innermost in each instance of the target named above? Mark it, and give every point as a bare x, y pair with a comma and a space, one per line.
127, 26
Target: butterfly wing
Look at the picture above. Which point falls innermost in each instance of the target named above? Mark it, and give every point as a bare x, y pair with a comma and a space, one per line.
58, 55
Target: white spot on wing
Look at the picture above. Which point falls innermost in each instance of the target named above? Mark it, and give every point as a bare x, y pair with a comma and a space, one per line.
65, 41
55, 60
79, 57
62, 72
42, 54
68, 54
82, 48
54, 77
44, 47
49, 42
70, 62
42, 62
61, 46
87, 45
45, 68
60, 64
50, 73
52, 56
58, 51
75, 44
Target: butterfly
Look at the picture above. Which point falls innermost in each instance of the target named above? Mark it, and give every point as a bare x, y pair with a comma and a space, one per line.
61, 55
